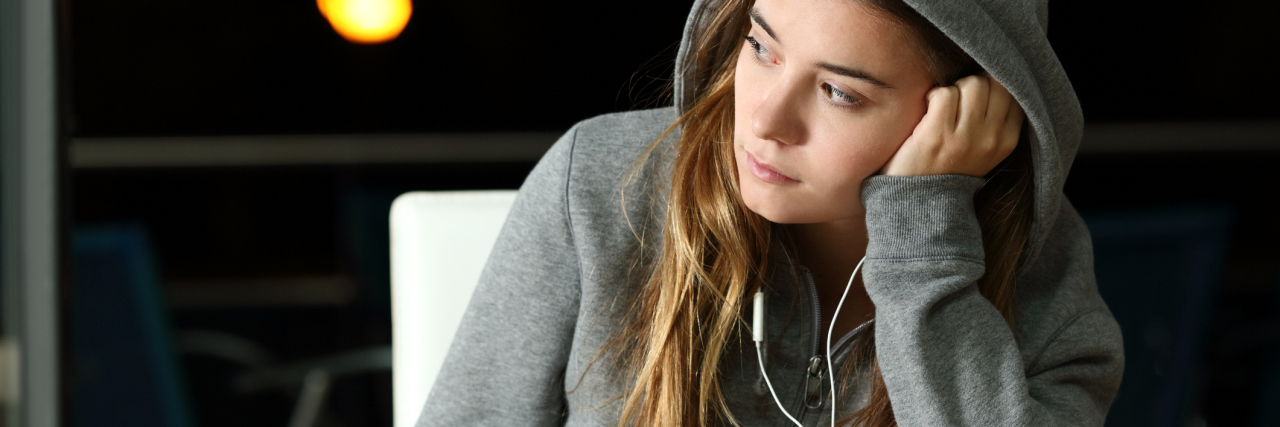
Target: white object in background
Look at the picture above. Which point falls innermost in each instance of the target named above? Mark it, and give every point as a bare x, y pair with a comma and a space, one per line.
439, 243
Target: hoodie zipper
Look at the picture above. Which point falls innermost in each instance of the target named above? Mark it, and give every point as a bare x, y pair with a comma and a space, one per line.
817, 369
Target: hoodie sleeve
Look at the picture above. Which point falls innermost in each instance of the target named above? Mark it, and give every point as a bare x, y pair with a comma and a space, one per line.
506, 364
947, 356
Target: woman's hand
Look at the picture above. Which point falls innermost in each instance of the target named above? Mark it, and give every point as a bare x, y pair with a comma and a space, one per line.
968, 129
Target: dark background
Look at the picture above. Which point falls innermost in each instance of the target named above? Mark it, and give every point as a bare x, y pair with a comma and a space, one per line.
184, 68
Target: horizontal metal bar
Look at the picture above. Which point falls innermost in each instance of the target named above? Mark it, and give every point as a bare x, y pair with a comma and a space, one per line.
1181, 137
260, 292
269, 150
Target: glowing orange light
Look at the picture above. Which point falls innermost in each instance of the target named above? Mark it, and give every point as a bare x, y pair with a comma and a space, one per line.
367, 21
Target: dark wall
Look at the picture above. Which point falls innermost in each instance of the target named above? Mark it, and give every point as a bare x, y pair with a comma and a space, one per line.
1157, 60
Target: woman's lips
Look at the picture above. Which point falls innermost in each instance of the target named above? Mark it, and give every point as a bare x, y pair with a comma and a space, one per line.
766, 173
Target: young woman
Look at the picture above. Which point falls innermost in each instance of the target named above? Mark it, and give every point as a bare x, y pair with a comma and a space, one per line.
810, 138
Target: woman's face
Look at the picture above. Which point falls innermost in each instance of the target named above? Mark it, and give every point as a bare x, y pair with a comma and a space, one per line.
825, 92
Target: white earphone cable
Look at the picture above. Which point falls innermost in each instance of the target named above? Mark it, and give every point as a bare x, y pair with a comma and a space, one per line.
760, 357
831, 373
758, 337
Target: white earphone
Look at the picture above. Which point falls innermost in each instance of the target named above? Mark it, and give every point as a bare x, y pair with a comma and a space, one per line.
757, 334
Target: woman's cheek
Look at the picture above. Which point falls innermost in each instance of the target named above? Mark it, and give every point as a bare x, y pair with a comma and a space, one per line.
744, 101
874, 143
851, 154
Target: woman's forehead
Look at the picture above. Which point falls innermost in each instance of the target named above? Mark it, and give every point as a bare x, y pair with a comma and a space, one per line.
847, 33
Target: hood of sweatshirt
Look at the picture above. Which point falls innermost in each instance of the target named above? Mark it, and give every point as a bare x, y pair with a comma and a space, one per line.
1008, 39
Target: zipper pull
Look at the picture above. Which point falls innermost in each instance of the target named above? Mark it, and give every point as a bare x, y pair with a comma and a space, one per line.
813, 383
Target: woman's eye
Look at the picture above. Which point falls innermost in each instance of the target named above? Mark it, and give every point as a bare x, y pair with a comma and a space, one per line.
838, 97
758, 51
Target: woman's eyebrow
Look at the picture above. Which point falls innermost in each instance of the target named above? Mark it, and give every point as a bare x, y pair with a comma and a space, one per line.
755, 16
853, 72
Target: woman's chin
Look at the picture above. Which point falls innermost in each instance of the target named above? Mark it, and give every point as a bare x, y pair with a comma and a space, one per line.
774, 210
784, 207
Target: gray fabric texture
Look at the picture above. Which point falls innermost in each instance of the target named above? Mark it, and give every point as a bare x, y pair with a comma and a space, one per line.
566, 267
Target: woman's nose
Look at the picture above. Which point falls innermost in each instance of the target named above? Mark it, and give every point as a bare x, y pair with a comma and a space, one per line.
777, 116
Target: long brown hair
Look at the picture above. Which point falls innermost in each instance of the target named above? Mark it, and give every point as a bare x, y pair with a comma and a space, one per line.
714, 249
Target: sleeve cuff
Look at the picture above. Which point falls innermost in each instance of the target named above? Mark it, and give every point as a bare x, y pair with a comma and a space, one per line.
922, 217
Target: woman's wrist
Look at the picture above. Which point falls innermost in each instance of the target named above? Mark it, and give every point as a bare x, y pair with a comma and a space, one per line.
922, 217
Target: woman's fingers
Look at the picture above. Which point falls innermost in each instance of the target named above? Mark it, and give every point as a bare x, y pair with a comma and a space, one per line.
1011, 130
942, 108
918, 153
974, 93
939, 121
999, 102
1004, 117
966, 129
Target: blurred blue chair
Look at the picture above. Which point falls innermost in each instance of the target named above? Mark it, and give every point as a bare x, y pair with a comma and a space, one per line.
1268, 403
1158, 270
126, 367
127, 370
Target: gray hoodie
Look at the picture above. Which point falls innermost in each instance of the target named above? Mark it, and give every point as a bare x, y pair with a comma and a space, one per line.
557, 284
